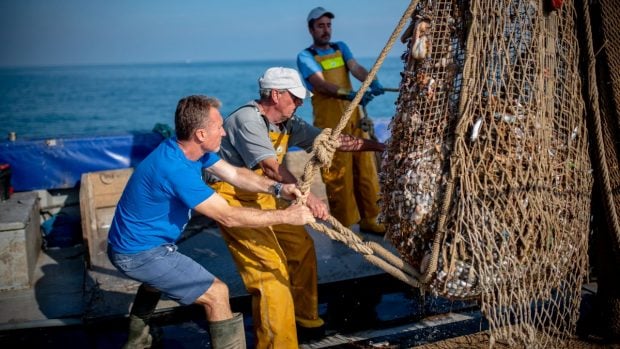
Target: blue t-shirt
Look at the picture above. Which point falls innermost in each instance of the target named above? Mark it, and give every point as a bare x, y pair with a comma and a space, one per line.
308, 66
157, 201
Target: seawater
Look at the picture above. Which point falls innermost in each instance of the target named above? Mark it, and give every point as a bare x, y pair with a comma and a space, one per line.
78, 101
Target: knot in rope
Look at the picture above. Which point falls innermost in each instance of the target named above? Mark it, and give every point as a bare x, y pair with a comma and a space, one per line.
325, 147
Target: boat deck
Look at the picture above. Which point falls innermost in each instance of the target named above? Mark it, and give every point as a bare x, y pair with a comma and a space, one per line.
71, 306
68, 298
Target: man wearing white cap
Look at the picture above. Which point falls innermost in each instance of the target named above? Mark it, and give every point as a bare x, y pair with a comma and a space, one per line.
351, 182
277, 263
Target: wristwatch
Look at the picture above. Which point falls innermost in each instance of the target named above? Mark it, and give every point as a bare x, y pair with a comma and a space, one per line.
277, 189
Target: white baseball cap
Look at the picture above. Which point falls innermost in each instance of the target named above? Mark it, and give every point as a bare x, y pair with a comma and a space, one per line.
281, 78
319, 12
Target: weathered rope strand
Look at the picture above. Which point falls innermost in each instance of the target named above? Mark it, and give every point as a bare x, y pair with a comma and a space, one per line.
371, 251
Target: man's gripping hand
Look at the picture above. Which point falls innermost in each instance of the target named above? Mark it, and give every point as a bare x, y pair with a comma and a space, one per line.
318, 208
298, 214
290, 192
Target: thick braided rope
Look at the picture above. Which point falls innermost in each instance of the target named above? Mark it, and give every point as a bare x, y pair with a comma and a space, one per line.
341, 233
387, 261
323, 150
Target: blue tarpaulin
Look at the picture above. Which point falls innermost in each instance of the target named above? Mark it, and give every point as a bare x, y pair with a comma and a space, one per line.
60, 162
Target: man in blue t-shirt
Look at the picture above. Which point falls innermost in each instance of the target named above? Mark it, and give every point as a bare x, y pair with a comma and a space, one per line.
156, 205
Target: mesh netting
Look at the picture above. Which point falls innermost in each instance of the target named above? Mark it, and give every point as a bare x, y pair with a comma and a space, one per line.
605, 88
601, 42
486, 182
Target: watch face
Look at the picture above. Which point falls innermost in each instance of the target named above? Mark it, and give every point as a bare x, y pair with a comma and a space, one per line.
277, 188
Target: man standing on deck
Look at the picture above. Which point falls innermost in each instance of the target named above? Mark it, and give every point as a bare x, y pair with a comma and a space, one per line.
351, 182
155, 207
277, 263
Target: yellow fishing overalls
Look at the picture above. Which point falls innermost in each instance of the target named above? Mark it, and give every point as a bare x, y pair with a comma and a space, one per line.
351, 182
277, 265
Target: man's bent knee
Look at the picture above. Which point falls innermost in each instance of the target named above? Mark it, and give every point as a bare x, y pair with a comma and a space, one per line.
216, 303
218, 290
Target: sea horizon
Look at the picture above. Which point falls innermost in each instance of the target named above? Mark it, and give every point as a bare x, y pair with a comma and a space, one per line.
172, 62
58, 101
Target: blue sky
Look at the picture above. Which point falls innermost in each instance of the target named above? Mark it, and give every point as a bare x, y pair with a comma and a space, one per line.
67, 32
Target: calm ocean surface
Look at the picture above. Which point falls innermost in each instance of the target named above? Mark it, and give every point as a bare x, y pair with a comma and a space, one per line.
54, 102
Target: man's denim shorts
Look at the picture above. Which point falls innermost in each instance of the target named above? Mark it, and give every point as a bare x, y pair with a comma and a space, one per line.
174, 274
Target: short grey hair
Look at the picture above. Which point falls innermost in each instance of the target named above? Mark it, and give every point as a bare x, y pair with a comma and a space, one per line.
265, 93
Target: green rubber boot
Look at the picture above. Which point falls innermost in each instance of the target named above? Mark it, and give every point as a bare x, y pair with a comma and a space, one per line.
228, 334
139, 336
143, 307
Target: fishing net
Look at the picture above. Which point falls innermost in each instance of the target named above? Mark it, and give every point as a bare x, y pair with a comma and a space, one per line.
604, 93
602, 79
486, 183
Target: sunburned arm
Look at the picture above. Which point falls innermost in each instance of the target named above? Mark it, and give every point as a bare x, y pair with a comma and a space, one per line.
278, 172
241, 177
246, 179
218, 209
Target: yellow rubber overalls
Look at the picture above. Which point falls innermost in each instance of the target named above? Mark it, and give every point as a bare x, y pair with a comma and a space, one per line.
277, 265
351, 181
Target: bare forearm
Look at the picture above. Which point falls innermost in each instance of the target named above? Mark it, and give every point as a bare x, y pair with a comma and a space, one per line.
323, 86
242, 178
250, 181
357, 70
350, 143
252, 218
218, 209
328, 88
278, 172
360, 73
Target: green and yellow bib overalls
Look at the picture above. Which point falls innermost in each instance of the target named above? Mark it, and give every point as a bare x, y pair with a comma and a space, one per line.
351, 182
277, 264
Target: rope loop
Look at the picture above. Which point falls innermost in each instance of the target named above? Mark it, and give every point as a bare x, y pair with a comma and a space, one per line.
325, 147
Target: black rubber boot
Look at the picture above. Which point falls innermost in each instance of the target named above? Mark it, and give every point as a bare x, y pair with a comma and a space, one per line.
143, 307
228, 334
310, 334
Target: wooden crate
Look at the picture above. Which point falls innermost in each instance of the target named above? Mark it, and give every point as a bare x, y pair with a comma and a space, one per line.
99, 194
20, 240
